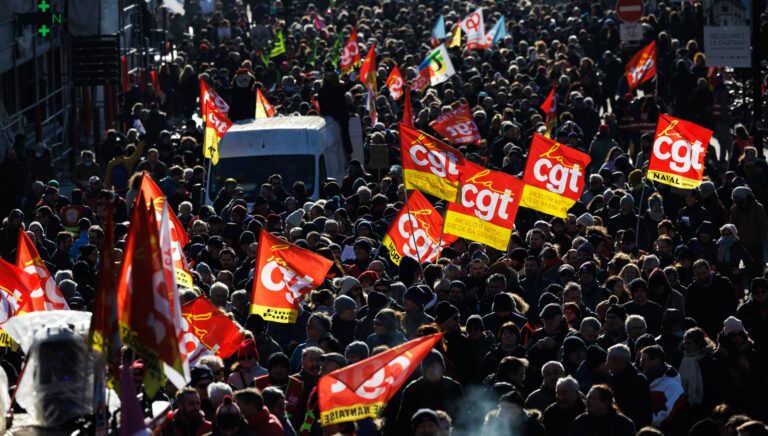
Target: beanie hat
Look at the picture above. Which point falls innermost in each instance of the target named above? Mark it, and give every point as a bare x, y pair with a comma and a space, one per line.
741, 192
572, 344
617, 310
358, 348
294, 219
430, 359
344, 303
503, 302
551, 310
587, 248
596, 356
637, 284
369, 275
444, 310
346, 283
376, 301
278, 359
200, 373
627, 200
585, 219
248, 348
424, 415
418, 295
733, 325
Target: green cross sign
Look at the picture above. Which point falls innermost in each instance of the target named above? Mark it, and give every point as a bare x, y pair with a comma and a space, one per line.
43, 6
43, 30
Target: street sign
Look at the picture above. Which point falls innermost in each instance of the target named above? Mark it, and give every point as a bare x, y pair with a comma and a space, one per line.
631, 31
630, 11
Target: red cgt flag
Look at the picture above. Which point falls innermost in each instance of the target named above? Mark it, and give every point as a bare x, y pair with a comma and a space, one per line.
486, 208
16, 286
350, 56
416, 232
554, 176
549, 107
368, 69
457, 125
395, 83
284, 272
429, 165
678, 152
362, 390
407, 109
46, 295
642, 67
209, 327
210, 101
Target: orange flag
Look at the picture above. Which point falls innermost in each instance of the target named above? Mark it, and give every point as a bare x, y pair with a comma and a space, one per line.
407, 108
47, 295
429, 165
208, 329
368, 69
284, 272
210, 100
642, 67
679, 151
16, 286
415, 232
144, 310
486, 208
395, 83
554, 176
263, 108
362, 390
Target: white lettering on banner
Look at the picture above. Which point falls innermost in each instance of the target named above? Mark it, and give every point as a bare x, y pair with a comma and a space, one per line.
374, 386
460, 129
423, 243
486, 203
396, 86
217, 101
558, 176
683, 154
639, 72
294, 285
53, 301
349, 53
440, 163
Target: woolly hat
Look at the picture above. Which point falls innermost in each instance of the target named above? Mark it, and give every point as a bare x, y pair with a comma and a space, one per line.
551, 310
278, 359
248, 348
433, 357
294, 219
358, 348
617, 310
346, 283
376, 301
596, 356
418, 295
585, 220
741, 192
733, 325
344, 303
503, 302
444, 310
627, 200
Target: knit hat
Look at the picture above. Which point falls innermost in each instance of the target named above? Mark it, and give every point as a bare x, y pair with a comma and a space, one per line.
203, 269
376, 301
627, 200
346, 283
200, 373
519, 254
278, 359
596, 356
572, 344
636, 284
551, 310
733, 325
587, 248
418, 295
503, 302
248, 348
424, 415
344, 303
369, 275
585, 220
444, 310
358, 348
294, 219
617, 310
433, 357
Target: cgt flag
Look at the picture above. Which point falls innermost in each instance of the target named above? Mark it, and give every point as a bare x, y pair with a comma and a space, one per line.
203, 323
362, 390
46, 295
350, 56
213, 110
485, 211
395, 83
429, 165
16, 287
642, 67
415, 232
554, 176
678, 152
284, 273
457, 125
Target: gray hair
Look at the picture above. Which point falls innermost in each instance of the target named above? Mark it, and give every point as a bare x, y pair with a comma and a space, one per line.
217, 391
64, 274
632, 318
219, 286
213, 362
590, 322
185, 205
621, 352
553, 363
308, 350
568, 381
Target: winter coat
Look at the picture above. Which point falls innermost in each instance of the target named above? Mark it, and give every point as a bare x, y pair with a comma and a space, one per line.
633, 395
612, 424
667, 397
557, 421
710, 304
446, 395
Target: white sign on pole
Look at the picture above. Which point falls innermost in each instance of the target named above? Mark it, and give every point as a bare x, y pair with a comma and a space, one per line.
631, 31
727, 33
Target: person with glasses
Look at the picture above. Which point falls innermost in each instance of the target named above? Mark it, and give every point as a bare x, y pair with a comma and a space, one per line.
247, 367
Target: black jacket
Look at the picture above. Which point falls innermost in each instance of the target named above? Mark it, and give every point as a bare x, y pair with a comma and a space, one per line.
633, 395
613, 424
557, 421
710, 304
446, 395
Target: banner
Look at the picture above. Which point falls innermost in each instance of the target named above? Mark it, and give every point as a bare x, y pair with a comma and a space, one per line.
263, 108
395, 83
213, 110
429, 165
16, 287
474, 27
438, 65
284, 273
727, 33
549, 107
363, 389
350, 56
368, 69
486, 208
416, 232
497, 33
204, 324
46, 294
421, 81
457, 125
554, 176
210, 100
642, 67
678, 152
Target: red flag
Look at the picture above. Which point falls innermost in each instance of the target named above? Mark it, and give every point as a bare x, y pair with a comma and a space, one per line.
363, 389
422, 80
395, 83
549, 107
124, 74
284, 273
143, 307
642, 67
47, 295
350, 56
416, 231
457, 125
679, 151
104, 335
156, 84
554, 176
368, 69
210, 327
263, 108
407, 109
429, 165
486, 209
210, 100
16, 288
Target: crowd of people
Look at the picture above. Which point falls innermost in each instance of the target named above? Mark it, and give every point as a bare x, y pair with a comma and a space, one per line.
645, 311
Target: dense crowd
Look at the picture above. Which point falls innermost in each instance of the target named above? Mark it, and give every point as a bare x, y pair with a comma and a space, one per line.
645, 311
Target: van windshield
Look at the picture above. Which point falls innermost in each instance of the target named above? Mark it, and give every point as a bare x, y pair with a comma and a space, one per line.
252, 171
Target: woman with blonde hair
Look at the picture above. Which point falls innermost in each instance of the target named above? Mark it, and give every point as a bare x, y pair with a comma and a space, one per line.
629, 272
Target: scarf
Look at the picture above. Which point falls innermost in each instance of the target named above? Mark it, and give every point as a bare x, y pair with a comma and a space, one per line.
724, 248
690, 377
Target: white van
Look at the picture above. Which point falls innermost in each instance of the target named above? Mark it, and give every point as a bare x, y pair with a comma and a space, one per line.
298, 148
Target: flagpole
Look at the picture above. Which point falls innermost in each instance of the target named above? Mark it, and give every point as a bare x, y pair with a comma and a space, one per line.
442, 228
640, 209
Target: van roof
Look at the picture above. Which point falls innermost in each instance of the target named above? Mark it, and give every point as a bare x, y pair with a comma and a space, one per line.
277, 136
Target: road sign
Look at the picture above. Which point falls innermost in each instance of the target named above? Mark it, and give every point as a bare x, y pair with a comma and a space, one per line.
631, 31
630, 11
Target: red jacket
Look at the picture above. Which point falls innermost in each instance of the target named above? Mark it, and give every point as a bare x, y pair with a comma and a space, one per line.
265, 424
177, 425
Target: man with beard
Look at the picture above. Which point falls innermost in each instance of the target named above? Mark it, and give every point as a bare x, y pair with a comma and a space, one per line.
187, 419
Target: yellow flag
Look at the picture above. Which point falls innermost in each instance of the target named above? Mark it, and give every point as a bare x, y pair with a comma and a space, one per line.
456, 38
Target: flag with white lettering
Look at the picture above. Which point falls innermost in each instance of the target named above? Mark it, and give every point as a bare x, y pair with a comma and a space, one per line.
678, 153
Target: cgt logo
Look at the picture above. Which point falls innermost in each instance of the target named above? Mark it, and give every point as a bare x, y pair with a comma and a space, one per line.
349, 53
637, 73
277, 277
418, 243
558, 176
486, 201
377, 385
681, 155
441, 163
